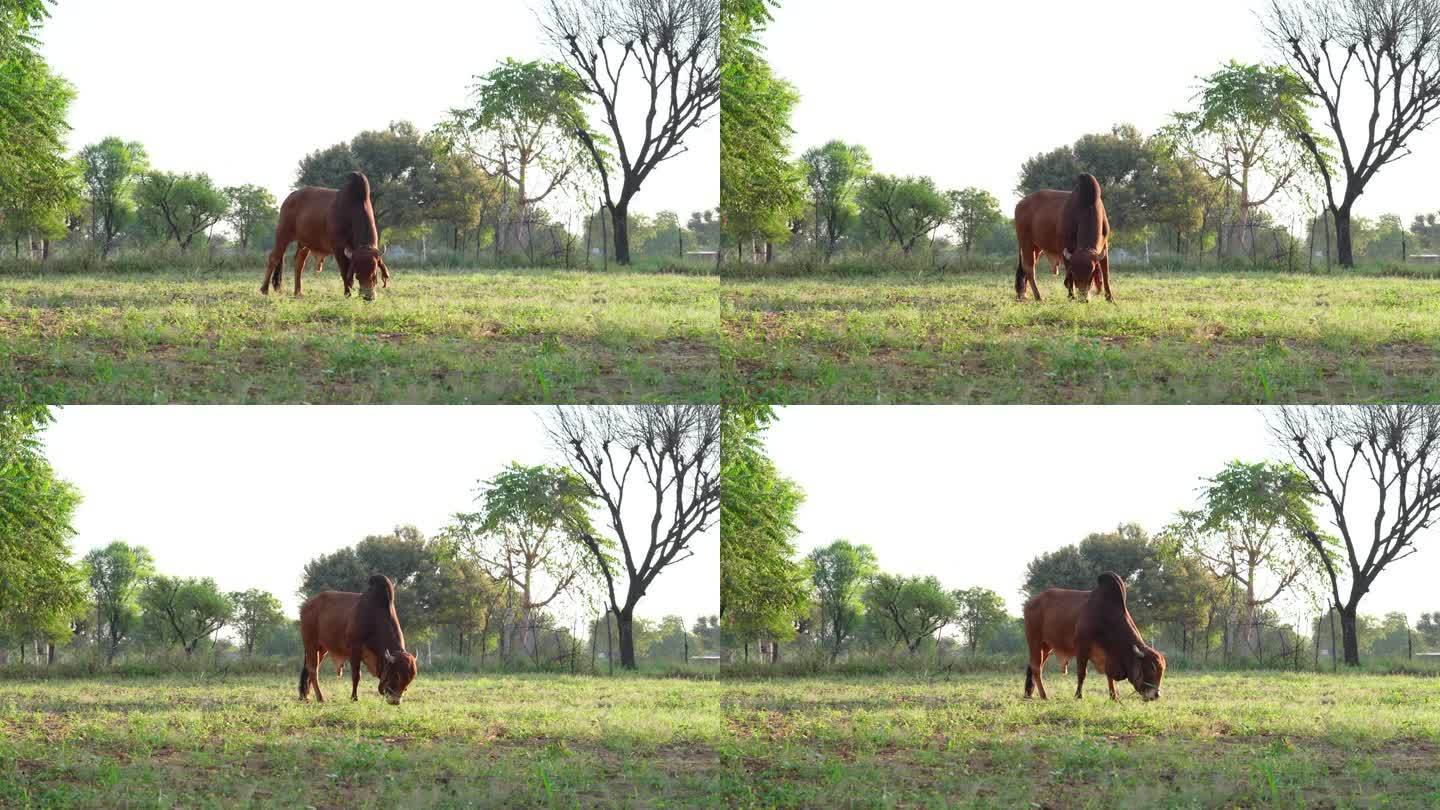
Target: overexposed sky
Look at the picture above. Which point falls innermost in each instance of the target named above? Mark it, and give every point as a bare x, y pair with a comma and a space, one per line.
966, 92
249, 494
243, 91
972, 493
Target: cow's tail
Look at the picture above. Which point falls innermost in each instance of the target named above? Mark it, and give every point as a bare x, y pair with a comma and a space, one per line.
1020, 275
304, 680
1029, 679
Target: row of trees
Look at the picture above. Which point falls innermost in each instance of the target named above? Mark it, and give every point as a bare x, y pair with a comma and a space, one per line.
1240, 570
1248, 141
529, 544
524, 136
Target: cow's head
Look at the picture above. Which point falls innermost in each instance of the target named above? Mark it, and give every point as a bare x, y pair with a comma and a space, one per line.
397, 670
1084, 267
365, 263
1144, 667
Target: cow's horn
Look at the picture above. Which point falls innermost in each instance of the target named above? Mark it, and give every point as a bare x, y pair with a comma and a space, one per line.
1065, 254
391, 658
347, 253
1135, 646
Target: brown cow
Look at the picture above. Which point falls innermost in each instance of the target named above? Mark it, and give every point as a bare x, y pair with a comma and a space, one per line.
330, 222
1090, 626
361, 627
1070, 225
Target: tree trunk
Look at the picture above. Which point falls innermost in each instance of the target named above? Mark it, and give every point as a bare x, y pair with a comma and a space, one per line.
50, 654
1343, 249
1347, 631
626, 628
621, 228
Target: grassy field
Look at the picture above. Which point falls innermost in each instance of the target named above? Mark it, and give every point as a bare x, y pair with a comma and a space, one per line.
434, 336
1171, 336
525, 740
1212, 740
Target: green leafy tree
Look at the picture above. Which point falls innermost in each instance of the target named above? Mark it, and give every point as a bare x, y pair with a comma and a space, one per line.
257, 614
839, 573
34, 102
187, 610
761, 586
396, 160
116, 574
528, 529
833, 174
673, 46
110, 170
40, 590
250, 210
1391, 50
1243, 133
1428, 626
1251, 530
188, 204
1129, 551
1128, 166
972, 212
760, 190
911, 609
980, 614
903, 209
521, 127
404, 555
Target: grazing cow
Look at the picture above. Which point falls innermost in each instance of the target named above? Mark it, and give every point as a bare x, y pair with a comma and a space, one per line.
1069, 227
330, 222
1091, 626
362, 627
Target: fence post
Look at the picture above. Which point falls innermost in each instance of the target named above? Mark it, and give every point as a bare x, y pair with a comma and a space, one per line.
686, 636
1333, 663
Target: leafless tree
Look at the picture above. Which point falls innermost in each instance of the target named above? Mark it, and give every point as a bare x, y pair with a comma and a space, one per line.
673, 44
676, 449
1394, 45
1397, 447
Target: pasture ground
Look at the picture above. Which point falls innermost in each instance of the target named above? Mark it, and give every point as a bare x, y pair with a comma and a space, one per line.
1173, 336
520, 740
434, 336
1212, 740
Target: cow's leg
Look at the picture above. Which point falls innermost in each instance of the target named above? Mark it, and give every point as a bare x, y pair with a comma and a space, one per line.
1080, 666
384, 274
1111, 681
272, 267
343, 262
1105, 274
1030, 275
314, 664
1033, 667
301, 254
355, 673
307, 674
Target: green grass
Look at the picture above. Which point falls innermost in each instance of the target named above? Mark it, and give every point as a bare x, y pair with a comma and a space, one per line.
434, 336
525, 740
1172, 336
1212, 740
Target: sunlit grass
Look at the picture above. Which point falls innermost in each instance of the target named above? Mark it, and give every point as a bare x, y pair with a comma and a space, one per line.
434, 336
1213, 740
1179, 336
523, 740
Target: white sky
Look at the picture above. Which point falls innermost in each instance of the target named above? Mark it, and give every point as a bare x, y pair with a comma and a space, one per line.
971, 494
249, 494
243, 91
966, 92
